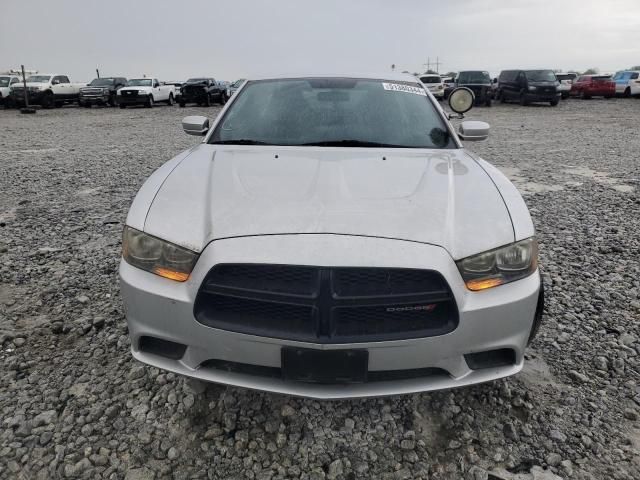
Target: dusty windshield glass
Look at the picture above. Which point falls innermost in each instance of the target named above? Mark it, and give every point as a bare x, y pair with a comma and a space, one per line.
474, 77
139, 82
333, 112
101, 82
541, 76
38, 79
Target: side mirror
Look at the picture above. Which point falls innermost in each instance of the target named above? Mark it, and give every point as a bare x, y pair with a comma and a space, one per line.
473, 130
195, 125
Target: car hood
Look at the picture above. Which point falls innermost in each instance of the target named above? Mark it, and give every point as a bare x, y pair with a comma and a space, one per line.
439, 197
32, 84
134, 88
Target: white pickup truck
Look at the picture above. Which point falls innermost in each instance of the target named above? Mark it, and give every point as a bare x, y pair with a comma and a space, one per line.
147, 92
48, 90
6, 82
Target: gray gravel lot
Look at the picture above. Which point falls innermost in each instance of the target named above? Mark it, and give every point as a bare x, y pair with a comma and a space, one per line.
73, 404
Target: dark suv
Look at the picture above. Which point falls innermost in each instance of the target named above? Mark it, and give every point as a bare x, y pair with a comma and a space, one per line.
479, 82
202, 91
101, 91
528, 86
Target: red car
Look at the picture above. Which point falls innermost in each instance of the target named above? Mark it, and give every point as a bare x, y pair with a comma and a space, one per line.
588, 86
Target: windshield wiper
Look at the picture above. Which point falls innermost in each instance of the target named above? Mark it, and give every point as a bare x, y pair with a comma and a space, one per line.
242, 141
352, 143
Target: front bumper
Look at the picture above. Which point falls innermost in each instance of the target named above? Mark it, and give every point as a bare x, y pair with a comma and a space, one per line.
94, 99
35, 97
500, 318
437, 93
542, 97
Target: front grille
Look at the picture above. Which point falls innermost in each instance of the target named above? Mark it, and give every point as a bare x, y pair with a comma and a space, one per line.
129, 93
326, 304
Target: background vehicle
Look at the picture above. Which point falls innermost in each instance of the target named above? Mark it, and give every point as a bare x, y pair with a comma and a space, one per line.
566, 79
177, 86
479, 82
587, 86
145, 91
434, 83
449, 84
6, 83
202, 91
48, 90
101, 91
233, 87
627, 83
527, 86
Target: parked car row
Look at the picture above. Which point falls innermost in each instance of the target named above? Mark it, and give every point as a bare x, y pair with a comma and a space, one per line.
534, 86
55, 90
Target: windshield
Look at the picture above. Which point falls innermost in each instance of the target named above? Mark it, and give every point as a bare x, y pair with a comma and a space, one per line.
237, 83
333, 112
474, 77
540, 75
101, 82
4, 81
38, 78
566, 76
601, 78
430, 79
196, 80
139, 82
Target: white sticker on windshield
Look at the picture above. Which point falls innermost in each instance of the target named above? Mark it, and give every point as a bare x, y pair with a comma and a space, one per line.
398, 87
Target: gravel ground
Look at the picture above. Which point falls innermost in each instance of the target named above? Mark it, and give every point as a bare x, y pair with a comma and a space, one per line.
73, 404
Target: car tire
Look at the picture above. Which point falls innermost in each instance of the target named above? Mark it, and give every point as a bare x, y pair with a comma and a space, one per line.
122, 105
207, 100
585, 95
149, 103
112, 101
170, 100
564, 95
182, 104
8, 103
47, 100
523, 100
223, 99
501, 97
627, 92
85, 105
554, 103
487, 101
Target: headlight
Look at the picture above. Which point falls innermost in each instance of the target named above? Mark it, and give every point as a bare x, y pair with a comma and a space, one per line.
532, 89
228, 92
157, 256
500, 266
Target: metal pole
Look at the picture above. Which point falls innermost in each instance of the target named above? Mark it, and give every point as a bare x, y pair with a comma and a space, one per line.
26, 92
98, 73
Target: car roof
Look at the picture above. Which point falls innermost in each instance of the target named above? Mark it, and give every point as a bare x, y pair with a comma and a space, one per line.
404, 77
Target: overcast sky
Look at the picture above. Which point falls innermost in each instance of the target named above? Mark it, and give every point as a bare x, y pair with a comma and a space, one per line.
229, 39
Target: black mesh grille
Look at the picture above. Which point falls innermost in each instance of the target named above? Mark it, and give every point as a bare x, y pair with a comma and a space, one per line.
326, 304
373, 281
258, 317
268, 278
392, 321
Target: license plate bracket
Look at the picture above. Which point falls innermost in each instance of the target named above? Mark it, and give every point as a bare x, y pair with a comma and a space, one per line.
324, 366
